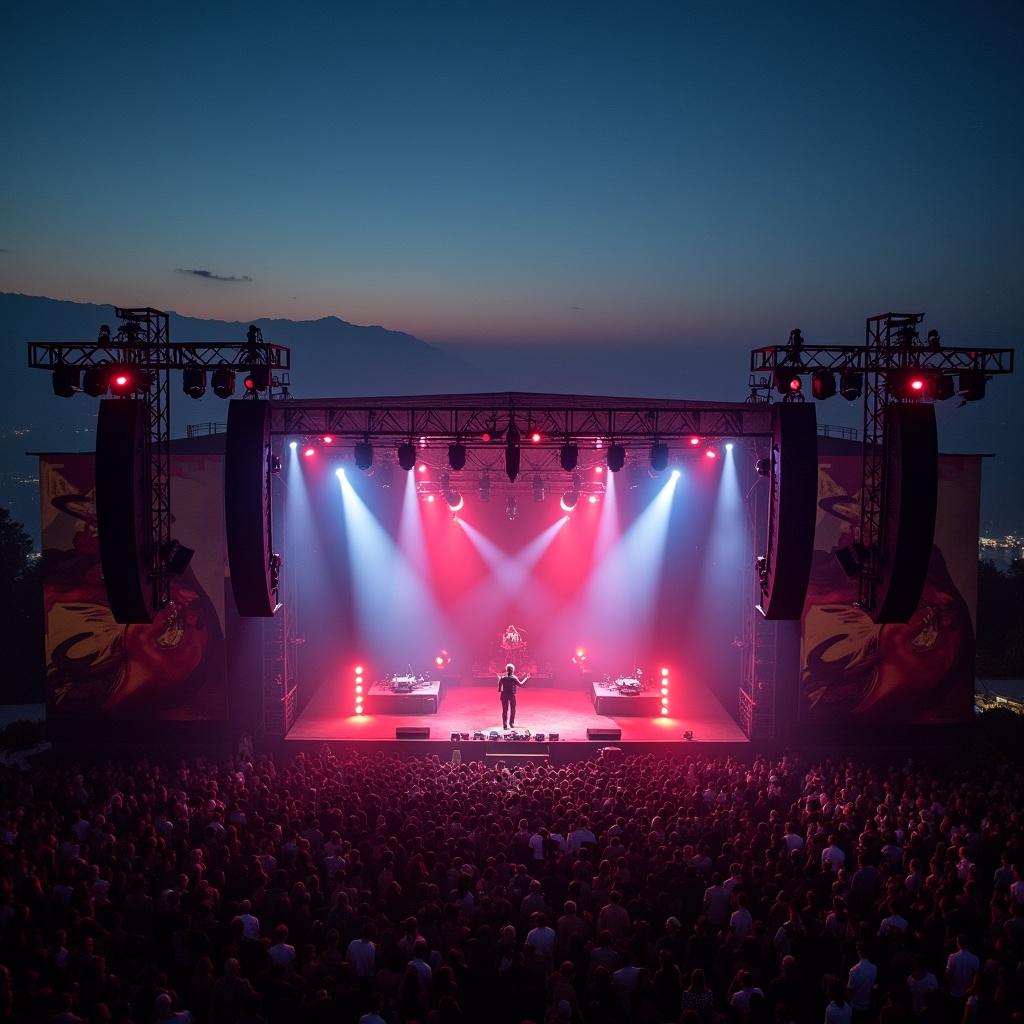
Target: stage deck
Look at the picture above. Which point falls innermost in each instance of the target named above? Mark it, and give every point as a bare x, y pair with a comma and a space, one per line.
328, 717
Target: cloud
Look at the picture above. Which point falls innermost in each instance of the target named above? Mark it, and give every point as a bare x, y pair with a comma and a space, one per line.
209, 275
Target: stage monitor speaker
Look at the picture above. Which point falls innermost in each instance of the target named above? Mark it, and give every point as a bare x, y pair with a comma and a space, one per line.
412, 732
792, 510
604, 734
908, 525
252, 564
122, 508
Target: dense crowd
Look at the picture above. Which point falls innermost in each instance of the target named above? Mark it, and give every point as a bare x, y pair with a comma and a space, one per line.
384, 889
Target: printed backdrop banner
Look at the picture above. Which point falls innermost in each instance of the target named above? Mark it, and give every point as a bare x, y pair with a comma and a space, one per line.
96, 668
918, 672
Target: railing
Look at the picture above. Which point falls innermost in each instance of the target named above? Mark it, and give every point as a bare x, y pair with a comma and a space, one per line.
831, 430
203, 429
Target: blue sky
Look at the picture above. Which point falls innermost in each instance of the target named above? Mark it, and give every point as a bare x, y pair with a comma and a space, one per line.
475, 172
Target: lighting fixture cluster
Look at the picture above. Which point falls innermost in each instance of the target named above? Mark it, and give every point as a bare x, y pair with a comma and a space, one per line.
664, 691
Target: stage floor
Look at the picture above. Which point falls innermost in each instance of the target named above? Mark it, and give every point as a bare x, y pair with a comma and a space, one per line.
328, 716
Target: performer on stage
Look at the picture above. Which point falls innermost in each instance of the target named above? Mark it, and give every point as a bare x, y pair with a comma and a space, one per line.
507, 688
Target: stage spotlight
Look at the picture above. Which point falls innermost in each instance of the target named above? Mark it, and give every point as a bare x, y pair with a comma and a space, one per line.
569, 456
538, 487
675, 474
512, 453
258, 378
763, 467
694, 441
637, 475
223, 383
362, 452
293, 445
421, 468
386, 474
592, 499
66, 381
309, 452
710, 453
971, 385
535, 437
95, 380
510, 508
175, 557
193, 381
659, 457
616, 457
823, 384
852, 558
454, 500
787, 382
599, 469
457, 456
339, 472
327, 439
910, 382
728, 446
430, 499
568, 500
407, 456
851, 382
664, 673
442, 658
943, 386
484, 493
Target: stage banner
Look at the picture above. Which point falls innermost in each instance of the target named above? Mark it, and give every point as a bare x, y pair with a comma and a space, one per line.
920, 672
170, 670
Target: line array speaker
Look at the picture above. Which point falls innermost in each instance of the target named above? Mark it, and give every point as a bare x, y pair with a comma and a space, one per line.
247, 498
792, 509
122, 508
908, 525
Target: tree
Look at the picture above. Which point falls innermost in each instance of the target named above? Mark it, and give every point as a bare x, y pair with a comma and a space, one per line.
21, 615
1000, 649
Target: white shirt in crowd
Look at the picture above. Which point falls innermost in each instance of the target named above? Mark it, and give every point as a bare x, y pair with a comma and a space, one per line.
832, 858
961, 967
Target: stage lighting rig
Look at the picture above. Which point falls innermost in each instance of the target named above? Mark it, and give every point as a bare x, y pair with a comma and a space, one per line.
484, 493
66, 381
788, 384
851, 384
193, 381
223, 383
538, 487
569, 456
362, 453
823, 384
659, 457
457, 455
94, 380
407, 456
511, 508
616, 457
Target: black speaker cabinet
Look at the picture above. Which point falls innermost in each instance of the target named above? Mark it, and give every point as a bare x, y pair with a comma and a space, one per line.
412, 732
604, 734
792, 510
122, 508
247, 512
908, 524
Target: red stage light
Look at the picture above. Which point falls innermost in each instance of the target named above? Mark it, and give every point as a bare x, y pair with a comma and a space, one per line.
535, 437
327, 439
695, 441
592, 499
422, 467
359, 670
430, 498
121, 380
795, 384
599, 469
917, 384
711, 453
664, 673
664, 711
309, 452
359, 687
485, 436
580, 653
439, 661
249, 382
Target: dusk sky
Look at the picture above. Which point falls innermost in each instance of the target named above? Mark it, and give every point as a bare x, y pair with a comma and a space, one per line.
498, 172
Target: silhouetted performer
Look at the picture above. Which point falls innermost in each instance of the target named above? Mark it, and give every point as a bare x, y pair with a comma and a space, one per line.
507, 688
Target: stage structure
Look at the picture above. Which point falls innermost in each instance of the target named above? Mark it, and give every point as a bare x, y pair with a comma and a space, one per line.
134, 364
897, 375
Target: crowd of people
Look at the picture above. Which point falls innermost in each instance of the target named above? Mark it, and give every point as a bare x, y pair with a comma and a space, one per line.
385, 889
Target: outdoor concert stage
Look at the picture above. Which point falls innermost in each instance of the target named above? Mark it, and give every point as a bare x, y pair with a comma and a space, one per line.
328, 717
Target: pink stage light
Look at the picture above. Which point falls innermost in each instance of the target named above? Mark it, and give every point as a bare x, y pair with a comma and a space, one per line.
422, 467
711, 453
359, 670
430, 499
327, 439
599, 469
309, 453
694, 441
535, 437
664, 673
592, 499
664, 711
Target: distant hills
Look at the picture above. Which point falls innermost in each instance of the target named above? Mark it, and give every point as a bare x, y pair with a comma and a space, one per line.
330, 357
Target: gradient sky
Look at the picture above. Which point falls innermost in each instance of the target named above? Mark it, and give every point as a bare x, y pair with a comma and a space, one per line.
497, 172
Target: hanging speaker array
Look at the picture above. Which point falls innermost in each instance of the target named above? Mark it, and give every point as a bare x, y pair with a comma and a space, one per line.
785, 568
253, 566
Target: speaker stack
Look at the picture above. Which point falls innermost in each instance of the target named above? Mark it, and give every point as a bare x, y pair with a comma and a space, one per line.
792, 510
908, 524
253, 566
123, 508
